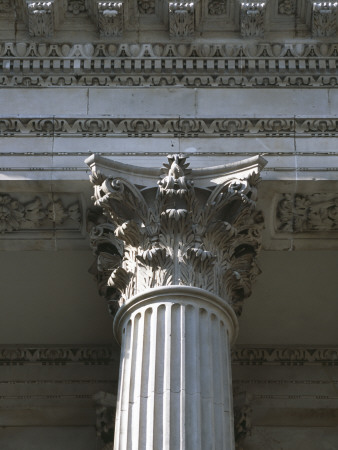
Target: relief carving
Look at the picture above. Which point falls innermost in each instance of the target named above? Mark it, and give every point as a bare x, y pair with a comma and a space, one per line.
146, 6
242, 417
181, 19
301, 213
6, 6
176, 234
286, 7
98, 126
324, 19
105, 417
40, 18
76, 7
284, 72
15, 215
110, 19
216, 7
252, 19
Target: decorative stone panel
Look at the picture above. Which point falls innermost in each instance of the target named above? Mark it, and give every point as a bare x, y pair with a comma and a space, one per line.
252, 19
303, 213
324, 19
40, 18
181, 19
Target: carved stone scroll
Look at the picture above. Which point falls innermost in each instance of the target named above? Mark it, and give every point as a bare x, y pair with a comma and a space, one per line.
252, 19
185, 230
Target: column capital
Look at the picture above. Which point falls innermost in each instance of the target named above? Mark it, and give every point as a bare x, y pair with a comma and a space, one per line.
176, 226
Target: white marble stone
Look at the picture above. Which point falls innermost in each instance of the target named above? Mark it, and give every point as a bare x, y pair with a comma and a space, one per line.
175, 374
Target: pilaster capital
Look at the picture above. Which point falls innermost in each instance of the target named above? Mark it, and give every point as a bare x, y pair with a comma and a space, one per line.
176, 226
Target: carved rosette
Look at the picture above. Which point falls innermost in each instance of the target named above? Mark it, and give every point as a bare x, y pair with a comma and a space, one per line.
180, 232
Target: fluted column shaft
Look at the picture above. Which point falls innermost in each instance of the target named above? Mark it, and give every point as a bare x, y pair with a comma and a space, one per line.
175, 388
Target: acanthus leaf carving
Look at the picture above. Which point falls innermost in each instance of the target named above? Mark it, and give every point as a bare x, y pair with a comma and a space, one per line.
302, 213
324, 19
16, 215
252, 18
40, 18
286, 7
181, 19
109, 18
216, 7
175, 234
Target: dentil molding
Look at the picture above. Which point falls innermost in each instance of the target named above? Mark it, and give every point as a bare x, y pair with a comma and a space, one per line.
235, 64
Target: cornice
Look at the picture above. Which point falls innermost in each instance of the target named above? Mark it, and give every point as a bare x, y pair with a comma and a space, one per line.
104, 354
297, 64
100, 126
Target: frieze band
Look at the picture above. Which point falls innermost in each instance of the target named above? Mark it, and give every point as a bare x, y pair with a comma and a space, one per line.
190, 65
100, 354
176, 127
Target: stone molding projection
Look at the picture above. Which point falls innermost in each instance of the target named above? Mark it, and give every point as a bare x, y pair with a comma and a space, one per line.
176, 256
302, 213
135, 127
236, 64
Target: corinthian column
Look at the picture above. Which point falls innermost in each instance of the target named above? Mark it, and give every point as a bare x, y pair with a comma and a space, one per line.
175, 260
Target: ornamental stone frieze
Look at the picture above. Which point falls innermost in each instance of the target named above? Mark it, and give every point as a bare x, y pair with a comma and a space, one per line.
181, 232
193, 65
307, 213
170, 127
16, 215
252, 19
